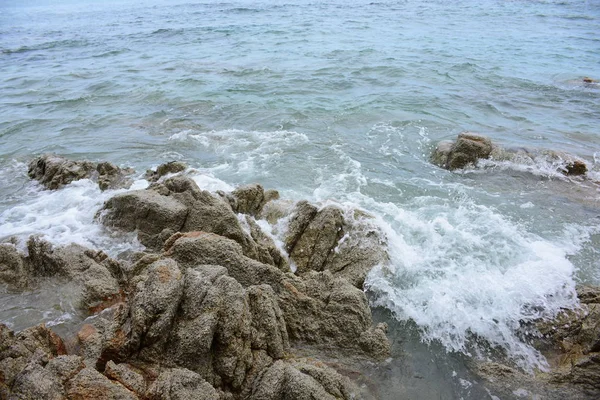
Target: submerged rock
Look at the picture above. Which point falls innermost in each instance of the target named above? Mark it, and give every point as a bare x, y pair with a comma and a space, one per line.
54, 172
470, 147
467, 149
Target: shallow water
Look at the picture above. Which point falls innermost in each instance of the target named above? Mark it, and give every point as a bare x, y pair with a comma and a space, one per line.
333, 100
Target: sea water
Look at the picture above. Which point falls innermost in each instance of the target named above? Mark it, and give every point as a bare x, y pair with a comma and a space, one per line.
331, 101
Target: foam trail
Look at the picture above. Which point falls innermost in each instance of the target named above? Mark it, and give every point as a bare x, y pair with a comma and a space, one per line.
66, 216
463, 272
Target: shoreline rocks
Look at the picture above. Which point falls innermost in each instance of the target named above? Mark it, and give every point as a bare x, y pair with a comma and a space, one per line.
211, 311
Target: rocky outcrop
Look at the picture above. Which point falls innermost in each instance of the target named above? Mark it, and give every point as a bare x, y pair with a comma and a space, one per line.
178, 205
212, 311
54, 172
470, 147
345, 243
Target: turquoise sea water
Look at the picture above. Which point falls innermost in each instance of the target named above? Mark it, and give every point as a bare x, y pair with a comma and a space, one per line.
332, 101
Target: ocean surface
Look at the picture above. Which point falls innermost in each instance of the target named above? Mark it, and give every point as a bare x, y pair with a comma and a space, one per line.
331, 101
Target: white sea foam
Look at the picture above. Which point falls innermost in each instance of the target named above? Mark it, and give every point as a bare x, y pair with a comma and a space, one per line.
464, 272
257, 152
65, 216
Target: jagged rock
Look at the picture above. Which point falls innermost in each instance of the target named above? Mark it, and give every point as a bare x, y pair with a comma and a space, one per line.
178, 205
198, 248
54, 172
91, 270
301, 380
181, 384
126, 376
91, 384
147, 212
32, 363
154, 303
329, 239
318, 240
269, 331
250, 199
468, 148
321, 309
172, 167
12, 267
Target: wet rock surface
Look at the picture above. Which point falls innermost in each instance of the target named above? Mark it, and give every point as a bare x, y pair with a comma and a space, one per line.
54, 172
471, 147
212, 310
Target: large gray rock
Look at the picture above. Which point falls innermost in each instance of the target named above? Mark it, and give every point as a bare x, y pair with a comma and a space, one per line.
198, 248
54, 172
178, 205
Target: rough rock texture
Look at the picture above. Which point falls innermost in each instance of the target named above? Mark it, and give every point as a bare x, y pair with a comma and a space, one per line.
346, 244
172, 167
13, 271
467, 149
54, 172
301, 380
91, 384
181, 384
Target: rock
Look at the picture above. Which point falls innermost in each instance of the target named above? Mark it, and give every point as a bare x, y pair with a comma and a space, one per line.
250, 199
181, 384
269, 330
323, 310
178, 205
199, 248
576, 167
126, 376
468, 148
91, 270
347, 244
172, 167
154, 303
54, 172
301, 380
91, 384
318, 240
268, 252
147, 212
12, 267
